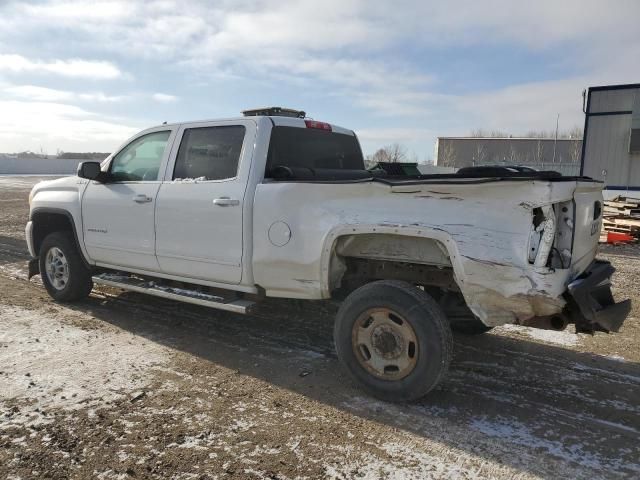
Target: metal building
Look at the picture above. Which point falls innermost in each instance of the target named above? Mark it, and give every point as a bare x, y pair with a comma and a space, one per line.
611, 150
562, 155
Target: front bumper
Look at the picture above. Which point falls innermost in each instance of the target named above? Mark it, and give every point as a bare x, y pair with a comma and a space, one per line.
590, 302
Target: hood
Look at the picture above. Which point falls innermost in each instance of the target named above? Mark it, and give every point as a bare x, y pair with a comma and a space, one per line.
58, 183
60, 190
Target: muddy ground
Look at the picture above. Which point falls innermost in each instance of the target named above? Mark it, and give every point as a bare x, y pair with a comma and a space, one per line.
127, 386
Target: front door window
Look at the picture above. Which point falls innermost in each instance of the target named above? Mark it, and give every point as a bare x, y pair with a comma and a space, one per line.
141, 159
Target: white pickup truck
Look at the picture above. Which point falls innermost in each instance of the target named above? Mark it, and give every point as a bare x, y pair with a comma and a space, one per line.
224, 213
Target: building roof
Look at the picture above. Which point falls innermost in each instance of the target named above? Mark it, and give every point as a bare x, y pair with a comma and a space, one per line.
622, 86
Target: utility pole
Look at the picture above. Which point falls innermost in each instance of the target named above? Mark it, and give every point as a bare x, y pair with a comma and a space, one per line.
555, 141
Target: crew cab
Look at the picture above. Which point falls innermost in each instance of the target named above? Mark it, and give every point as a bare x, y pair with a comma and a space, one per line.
224, 213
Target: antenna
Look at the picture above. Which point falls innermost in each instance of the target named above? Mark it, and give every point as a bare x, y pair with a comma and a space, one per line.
555, 140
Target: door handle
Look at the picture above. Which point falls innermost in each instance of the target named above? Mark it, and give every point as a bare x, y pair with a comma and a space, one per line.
142, 199
225, 202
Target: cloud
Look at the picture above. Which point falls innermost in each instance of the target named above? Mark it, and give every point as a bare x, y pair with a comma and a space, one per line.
393, 134
355, 46
101, 97
72, 11
385, 65
25, 125
39, 94
164, 98
521, 108
12, 63
44, 94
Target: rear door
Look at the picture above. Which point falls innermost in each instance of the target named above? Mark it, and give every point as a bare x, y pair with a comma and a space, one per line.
118, 217
199, 212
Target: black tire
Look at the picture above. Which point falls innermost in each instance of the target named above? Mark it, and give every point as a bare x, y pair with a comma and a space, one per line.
471, 326
428, 323
79, 282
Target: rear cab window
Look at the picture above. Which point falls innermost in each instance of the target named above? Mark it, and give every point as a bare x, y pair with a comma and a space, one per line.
312, 150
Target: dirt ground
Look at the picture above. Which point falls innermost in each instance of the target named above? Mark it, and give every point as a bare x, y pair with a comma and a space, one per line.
127, 386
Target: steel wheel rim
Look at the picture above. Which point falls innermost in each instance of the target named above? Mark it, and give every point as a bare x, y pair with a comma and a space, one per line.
57, 268
385, 344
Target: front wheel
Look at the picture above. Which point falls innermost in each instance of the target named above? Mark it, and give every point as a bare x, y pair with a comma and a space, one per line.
64, 274
394, 339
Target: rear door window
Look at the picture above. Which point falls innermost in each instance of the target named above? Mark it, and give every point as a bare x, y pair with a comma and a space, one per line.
315, 149
209, 153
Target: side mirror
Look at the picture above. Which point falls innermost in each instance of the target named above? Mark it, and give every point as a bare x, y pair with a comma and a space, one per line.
89, 170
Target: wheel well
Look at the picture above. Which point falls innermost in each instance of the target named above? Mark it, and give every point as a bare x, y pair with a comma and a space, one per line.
45, 223
360, 271
361, 258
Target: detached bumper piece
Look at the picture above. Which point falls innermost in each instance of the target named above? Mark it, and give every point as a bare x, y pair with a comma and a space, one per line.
590, 301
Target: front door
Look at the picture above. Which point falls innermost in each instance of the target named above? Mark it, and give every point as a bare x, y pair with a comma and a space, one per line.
199, 213
118, 216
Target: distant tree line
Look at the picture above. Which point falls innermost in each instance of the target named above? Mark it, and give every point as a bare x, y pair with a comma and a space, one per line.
61, 154
83, 155
392, 153
530, 151
574, 133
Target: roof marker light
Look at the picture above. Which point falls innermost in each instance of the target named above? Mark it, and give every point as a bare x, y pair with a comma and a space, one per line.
318, 125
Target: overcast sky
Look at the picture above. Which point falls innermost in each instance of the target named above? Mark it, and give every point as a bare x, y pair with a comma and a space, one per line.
83, 76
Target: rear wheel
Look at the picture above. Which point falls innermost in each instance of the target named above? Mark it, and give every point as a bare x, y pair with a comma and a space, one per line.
64, 274
394, 339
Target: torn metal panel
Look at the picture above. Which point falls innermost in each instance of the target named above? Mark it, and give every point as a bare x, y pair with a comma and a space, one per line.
499, 293
548, 230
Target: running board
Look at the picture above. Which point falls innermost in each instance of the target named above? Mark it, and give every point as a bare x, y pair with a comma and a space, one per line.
195, 297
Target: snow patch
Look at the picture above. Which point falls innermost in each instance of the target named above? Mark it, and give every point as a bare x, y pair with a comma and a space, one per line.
53, 365
401, 461
615, 358
189, 180
564, 338
115, 277
16, 270
514, 432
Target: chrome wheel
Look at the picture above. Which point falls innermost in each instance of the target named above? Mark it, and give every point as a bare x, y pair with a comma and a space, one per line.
385, 344
57, 268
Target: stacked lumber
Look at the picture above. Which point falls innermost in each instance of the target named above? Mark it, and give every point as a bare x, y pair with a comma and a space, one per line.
622, 215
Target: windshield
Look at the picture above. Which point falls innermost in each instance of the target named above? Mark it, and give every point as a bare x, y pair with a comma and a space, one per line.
313, 149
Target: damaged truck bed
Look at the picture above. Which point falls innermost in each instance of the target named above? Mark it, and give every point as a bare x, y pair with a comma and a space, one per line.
519, 248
